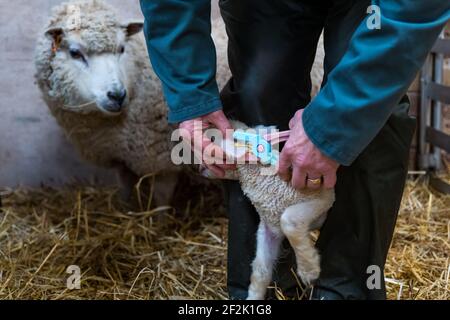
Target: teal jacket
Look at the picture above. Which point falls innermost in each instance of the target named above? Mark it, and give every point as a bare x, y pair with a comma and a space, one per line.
361, 91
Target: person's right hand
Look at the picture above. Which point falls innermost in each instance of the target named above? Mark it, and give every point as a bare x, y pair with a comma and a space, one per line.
193, 132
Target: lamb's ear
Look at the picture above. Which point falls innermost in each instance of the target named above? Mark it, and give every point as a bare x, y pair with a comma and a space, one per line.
55, 34
133, 28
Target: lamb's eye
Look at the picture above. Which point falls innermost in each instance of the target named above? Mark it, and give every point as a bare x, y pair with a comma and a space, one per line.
121, 49
76, 54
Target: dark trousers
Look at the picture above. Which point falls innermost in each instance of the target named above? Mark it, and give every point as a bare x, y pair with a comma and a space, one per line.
271, 50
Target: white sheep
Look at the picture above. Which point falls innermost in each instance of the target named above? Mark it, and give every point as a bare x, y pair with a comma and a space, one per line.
96, 78
284, 212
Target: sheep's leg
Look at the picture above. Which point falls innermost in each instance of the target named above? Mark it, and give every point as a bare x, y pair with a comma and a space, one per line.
267, 249
127, 181
296, 224
164, 188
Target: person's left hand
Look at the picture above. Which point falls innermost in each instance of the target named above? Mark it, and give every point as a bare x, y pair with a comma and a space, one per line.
310, 168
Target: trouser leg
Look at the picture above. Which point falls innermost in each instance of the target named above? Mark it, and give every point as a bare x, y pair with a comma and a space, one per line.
242, 226
270, 57
271, 51
359, 228
356, 236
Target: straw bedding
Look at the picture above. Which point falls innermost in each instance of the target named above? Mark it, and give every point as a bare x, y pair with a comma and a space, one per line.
159, 254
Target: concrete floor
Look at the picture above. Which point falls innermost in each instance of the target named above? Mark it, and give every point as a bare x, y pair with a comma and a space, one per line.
33, 150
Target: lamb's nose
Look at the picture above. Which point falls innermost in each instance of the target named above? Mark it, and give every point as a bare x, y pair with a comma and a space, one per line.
117, 96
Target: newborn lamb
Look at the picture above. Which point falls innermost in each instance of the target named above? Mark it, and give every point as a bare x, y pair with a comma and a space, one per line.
284, 212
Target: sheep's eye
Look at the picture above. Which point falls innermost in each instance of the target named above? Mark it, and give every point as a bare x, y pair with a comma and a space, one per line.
76, 54
121, 49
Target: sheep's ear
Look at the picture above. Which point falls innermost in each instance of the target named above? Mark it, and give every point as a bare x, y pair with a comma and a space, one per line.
56, 34
133, 28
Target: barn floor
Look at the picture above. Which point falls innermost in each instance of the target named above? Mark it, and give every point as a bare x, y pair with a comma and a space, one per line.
152, 254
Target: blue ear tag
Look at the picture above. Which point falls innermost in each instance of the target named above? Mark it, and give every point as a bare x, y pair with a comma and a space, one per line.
259, 146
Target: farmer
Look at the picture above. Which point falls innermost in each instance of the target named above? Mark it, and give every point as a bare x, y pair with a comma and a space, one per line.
355, 135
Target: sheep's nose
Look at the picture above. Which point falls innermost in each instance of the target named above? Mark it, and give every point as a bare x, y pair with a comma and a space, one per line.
117, 96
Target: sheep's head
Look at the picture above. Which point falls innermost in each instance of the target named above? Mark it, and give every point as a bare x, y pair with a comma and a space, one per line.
91, 65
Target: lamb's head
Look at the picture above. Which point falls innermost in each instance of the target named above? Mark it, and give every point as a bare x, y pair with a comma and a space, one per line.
239, 153
90, 57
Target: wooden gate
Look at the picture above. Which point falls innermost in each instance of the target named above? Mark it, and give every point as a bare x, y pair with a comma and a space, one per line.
434, 94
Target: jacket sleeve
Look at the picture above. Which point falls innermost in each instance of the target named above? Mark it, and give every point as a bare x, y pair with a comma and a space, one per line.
178, 35
373, 75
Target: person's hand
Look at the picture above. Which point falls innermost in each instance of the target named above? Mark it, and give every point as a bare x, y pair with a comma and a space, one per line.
310, 168
193, 132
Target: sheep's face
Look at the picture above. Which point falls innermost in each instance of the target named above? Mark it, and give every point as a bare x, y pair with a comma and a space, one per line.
96, 78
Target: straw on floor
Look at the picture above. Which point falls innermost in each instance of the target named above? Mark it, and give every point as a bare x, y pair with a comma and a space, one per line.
156, 254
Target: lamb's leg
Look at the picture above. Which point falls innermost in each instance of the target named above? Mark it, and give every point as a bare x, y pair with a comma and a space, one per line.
296, 224
268, 245
318, 222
